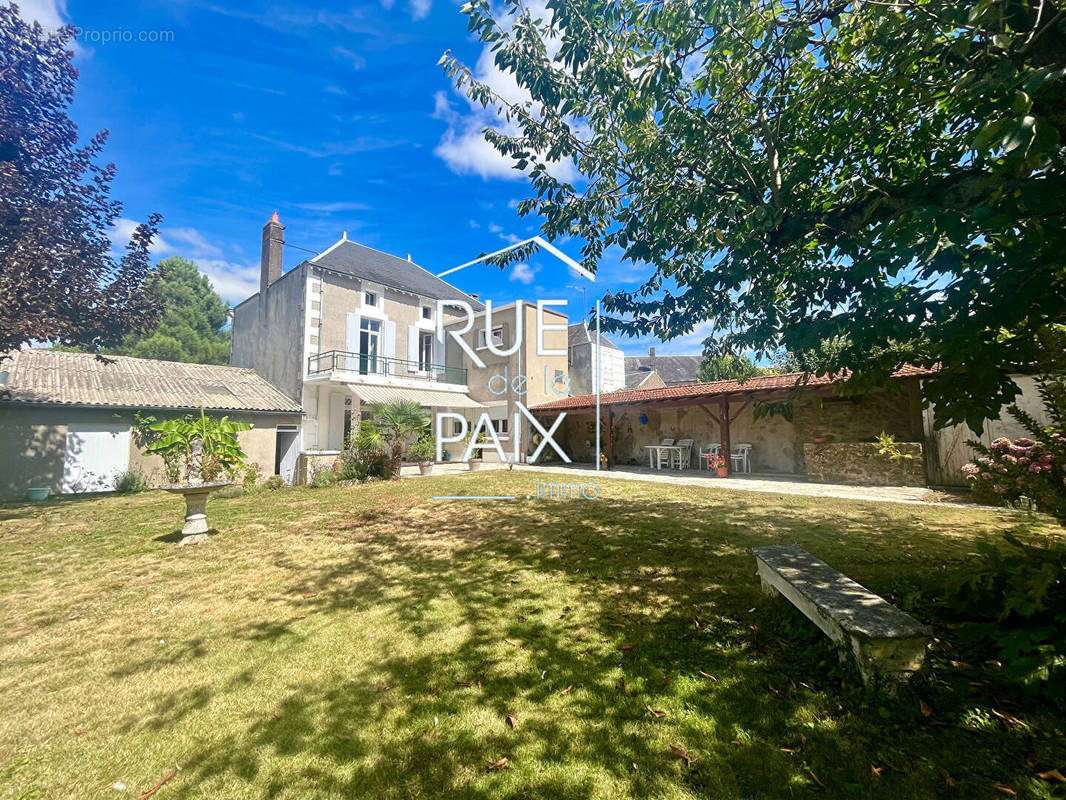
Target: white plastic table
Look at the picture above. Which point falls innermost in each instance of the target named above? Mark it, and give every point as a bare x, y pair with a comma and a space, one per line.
655, 454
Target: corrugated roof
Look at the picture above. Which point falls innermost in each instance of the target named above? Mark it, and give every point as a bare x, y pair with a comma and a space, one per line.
697, 391
672, 369
50, 376
373, 265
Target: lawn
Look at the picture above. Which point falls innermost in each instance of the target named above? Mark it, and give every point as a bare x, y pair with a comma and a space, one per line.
372, 642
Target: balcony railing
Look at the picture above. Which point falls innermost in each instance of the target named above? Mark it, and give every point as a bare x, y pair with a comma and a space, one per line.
366, 364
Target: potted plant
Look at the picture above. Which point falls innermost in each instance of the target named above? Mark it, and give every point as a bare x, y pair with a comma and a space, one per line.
716, 463
201, 455
423, 451
475, 461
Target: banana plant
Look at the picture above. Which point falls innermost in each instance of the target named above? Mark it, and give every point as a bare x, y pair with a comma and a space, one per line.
221, 451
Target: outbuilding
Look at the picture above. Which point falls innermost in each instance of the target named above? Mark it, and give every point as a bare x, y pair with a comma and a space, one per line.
69, 421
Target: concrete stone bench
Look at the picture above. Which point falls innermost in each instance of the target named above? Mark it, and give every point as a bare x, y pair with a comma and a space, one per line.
889, 645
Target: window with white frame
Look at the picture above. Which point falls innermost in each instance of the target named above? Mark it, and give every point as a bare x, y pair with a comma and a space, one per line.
500, 426
370, 299
425, 351
427, 312
497, 338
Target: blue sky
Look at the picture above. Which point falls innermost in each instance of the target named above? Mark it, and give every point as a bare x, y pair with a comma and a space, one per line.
337, 117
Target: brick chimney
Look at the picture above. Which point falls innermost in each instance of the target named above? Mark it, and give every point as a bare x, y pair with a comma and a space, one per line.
651, 352
270, 263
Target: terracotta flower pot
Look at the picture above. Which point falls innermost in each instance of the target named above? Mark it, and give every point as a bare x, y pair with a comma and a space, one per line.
475, 464
723, 472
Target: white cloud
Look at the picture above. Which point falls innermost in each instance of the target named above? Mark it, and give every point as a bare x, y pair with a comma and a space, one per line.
52, 14
121, 232
353, 58
194, 240
523, 273
419, 8
360, 144
333, 208
233, 281
463, 146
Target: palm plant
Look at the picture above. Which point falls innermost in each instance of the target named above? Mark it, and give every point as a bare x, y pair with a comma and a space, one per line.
396, 421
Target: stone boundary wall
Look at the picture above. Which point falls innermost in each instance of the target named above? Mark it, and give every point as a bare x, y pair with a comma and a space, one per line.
860, 463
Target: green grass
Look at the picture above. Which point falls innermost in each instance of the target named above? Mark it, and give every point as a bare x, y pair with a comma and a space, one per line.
370, 642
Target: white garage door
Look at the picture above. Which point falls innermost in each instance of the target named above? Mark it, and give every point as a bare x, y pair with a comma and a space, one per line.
96, 455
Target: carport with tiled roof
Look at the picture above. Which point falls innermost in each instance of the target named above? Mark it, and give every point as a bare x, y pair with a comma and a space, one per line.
709, 412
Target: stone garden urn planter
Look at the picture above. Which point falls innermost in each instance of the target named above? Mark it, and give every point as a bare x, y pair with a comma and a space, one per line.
196, 493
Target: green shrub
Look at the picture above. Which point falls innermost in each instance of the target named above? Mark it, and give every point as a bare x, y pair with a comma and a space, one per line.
275, 482
1014, 604
252, 477
323, 478
363, 456
130, 482
227, 492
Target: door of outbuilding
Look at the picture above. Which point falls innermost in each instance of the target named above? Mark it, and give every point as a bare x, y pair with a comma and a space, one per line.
96, 455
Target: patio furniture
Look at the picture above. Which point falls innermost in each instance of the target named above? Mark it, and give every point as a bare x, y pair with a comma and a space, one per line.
741, 457
712, 449
655, 453
681, 454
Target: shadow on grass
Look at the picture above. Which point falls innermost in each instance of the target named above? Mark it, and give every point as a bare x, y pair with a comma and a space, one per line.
663, 612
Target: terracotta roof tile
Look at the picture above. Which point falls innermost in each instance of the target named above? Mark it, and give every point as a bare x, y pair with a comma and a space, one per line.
50, 376
696, 391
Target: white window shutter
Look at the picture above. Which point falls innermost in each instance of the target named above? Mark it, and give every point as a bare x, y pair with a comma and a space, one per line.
352, 340
437, 351
412, 348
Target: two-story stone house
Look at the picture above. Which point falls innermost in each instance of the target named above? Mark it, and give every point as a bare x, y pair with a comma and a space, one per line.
353, 326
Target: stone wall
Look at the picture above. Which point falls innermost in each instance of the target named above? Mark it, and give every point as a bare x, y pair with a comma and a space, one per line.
861, 464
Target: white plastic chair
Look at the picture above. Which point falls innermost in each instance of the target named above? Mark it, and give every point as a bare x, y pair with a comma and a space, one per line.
712, 449
741, 456
682, 457
659, 453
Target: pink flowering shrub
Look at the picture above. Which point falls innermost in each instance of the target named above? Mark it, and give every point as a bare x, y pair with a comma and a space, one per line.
1027, 470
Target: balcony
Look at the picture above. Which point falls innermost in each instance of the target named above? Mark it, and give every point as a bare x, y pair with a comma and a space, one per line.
381, 367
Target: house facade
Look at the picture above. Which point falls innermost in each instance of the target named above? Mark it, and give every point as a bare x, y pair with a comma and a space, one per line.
354, 326
582, 361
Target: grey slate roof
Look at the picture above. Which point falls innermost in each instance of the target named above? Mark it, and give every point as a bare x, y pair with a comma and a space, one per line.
634, 380
53, 377
578, 333
399, 273
672, 369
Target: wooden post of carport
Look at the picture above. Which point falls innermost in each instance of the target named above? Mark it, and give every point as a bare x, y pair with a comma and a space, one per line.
609, 448
723, 427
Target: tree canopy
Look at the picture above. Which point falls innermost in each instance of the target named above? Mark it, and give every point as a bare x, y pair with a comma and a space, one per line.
58, 279
192, 326
717, 367
796, 171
